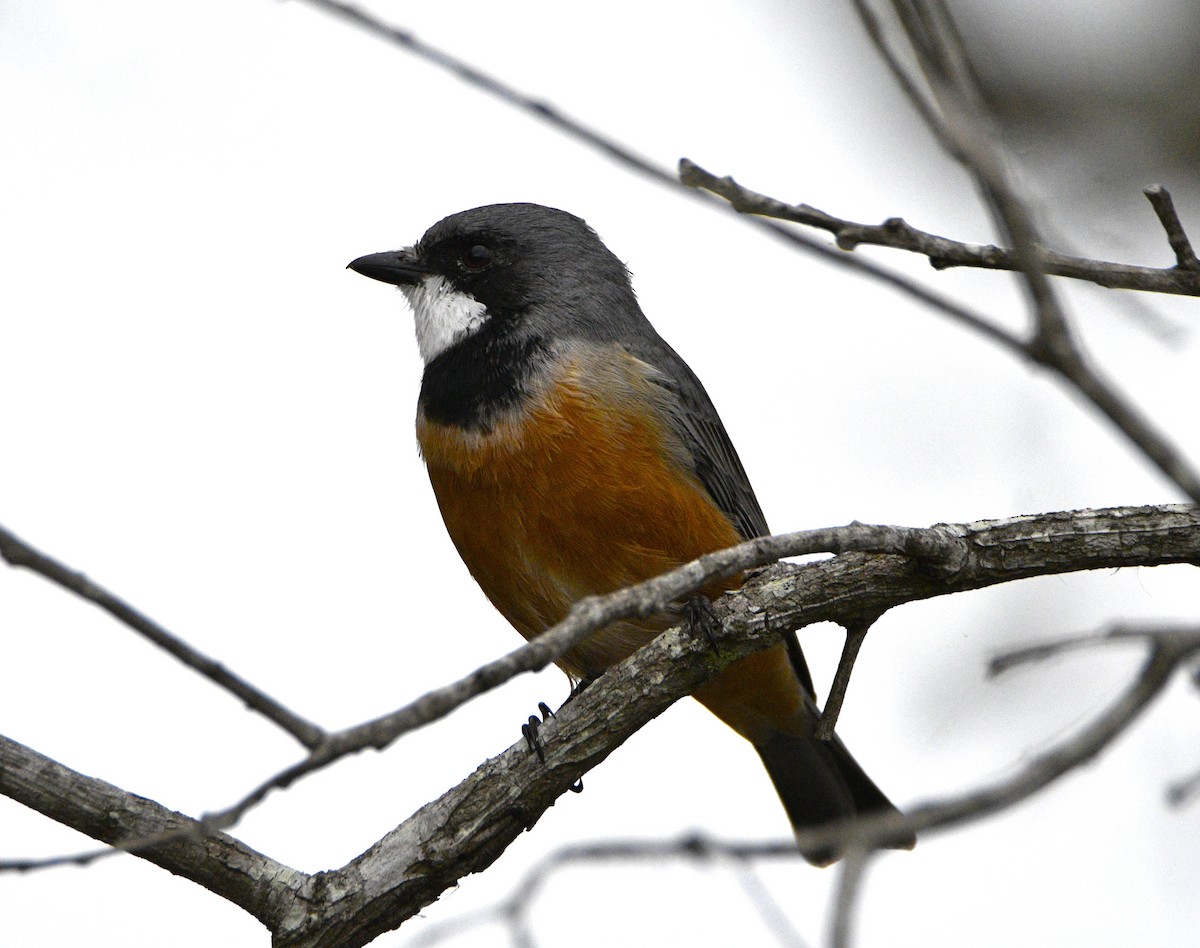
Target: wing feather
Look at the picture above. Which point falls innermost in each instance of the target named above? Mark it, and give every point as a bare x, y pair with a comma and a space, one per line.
695, 422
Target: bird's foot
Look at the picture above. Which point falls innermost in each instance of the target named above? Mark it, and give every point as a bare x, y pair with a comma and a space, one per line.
702, 620
531, 731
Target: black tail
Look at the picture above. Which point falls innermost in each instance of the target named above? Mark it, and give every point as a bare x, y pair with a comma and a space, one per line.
818, 783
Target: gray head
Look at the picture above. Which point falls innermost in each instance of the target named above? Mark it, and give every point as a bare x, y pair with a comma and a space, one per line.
510, 269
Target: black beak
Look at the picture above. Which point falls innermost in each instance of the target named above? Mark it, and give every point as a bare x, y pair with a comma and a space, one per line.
398, 267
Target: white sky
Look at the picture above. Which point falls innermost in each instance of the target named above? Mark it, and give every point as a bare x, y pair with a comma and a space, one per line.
204, 411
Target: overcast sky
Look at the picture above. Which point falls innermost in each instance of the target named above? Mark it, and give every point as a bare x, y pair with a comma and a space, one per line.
207, 413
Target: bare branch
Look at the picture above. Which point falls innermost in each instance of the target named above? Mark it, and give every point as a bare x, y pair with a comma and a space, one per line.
855, 636
1182, 791
468, 827
942, 252
18, 553
1066, 360
1170, 649
915, 93
176, 842
849, 890
767, 906
923, 563
1160, 199
1114, 633
694, 846
962, 119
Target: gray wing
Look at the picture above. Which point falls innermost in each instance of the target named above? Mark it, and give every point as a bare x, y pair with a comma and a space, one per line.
714, 458
699, 427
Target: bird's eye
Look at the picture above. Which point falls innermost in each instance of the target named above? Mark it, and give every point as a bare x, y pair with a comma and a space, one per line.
476, 257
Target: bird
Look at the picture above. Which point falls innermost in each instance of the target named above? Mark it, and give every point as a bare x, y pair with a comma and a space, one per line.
572, 452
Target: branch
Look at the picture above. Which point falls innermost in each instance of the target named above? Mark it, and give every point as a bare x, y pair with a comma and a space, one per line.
613, 148
935, 545
962, 122
467, 828
17, 553
1063, 356
470, 826
695, 847
1164, 207
942, 252
856, 634
951, 554
1184, 790
956, 114
585, 617
849, 890
177, 843
1170, 649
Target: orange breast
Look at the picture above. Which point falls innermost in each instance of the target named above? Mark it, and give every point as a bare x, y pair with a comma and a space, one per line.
581, 492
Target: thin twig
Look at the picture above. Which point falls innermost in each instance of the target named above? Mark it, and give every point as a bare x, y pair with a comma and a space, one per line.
942, 252
856, 633
849, 889
1160, 199
958, 119
1169, 649
18, 553
961, 118
1182, 791
767, 906
938, 301
916, 95
1138, 428
1117, 632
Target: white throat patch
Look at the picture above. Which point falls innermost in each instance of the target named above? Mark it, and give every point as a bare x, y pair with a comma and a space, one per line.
443, 314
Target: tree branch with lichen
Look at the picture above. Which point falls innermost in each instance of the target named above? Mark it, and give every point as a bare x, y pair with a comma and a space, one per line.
465, 830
